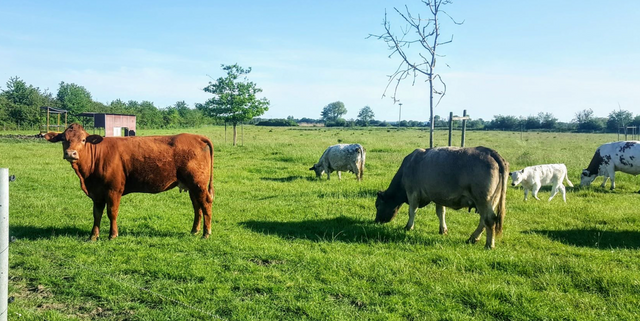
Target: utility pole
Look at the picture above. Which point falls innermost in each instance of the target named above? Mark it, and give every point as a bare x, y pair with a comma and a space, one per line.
399, 114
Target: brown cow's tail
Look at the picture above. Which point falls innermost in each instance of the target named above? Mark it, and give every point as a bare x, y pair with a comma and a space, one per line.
501, 208
212, 194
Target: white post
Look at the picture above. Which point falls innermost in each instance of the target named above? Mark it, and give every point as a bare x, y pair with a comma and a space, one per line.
4, 243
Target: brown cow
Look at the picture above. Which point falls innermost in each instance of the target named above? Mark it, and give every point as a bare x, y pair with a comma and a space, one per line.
450, 177
114, 166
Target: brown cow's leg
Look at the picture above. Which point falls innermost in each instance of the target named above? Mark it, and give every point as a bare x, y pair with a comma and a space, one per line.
113, 205
98, 209
205, 208
197, 210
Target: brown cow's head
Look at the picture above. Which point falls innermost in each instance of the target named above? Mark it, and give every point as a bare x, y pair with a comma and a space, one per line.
74, 140
386, 208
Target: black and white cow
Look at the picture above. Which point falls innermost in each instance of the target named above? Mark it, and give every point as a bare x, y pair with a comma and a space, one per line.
613, 157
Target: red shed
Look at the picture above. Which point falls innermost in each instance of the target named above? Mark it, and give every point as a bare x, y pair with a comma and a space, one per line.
113, 124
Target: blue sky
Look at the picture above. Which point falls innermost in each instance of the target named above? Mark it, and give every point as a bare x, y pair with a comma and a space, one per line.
509, 57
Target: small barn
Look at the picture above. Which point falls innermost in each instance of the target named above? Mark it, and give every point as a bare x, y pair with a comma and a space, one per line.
114, 125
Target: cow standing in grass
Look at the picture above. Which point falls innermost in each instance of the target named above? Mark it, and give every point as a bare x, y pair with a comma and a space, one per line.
612, 157
450, 177
341, 157
534, 177
111, 167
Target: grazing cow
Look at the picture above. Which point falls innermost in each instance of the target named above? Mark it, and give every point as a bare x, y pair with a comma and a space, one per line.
534, 177
341, 157
450, 177
114, 166
611, 157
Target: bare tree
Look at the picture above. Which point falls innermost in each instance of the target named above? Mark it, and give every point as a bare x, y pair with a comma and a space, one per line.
425, 34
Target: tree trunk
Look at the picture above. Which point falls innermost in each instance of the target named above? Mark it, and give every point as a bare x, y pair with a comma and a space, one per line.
431, 111
235, 134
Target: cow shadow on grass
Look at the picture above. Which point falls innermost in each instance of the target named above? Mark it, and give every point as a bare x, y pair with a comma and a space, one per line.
289, 178
35, 233
593, 238
338, 229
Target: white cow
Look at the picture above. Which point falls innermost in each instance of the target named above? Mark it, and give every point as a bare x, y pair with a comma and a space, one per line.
341, 157
612, 157
534, 177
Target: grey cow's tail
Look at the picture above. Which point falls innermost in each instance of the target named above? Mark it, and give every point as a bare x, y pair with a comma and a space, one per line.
362, 155
501, 208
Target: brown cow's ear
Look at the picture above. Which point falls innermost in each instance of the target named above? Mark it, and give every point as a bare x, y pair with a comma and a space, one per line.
53, 137
94, 139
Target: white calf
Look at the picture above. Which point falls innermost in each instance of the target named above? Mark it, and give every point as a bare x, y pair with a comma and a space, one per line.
534, 177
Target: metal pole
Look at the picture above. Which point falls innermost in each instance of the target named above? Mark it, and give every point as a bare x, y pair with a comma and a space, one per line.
4, 243
399, 114
450, 126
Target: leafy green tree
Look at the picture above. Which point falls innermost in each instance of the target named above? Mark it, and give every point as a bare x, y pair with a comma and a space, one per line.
332, 112
505, 123
21, 102
74, 98
619, 118
234, 98
365, 116
547, 120
587, 121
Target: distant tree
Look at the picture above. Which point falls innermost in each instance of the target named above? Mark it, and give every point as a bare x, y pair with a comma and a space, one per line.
587, 121
619, 118
21, 103
532, 122
547, 121
333, 111
365, 116
636, 122
505, 123
234, 98
417, 45
73, 98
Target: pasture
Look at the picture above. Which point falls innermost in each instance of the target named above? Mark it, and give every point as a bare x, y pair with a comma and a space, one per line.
287, 246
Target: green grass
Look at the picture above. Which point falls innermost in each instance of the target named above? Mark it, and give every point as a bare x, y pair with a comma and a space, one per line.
286, 246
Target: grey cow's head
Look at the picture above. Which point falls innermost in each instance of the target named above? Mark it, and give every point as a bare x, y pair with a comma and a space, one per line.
586, 178
318, 169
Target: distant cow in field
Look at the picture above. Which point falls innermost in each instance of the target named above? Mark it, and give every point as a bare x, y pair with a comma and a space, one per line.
341, 157
114, 166
450, 177
534, 177
612, 157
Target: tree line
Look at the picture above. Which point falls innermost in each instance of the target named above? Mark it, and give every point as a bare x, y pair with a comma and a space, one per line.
20, 107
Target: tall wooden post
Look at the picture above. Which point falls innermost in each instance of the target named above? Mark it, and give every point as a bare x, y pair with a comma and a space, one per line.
4, 243
450, 126
464, 126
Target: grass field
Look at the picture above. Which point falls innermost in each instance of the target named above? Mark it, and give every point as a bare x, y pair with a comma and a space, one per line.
286, 246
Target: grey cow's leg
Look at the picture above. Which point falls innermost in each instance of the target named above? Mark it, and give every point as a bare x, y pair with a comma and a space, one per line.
440, 211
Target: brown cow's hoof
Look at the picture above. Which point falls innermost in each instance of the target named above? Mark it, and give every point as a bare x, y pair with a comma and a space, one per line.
195, 231
111, 237
206, 236
92, 238
444, 231
489, 247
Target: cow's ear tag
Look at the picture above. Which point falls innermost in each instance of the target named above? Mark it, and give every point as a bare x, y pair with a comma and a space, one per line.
94, 139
